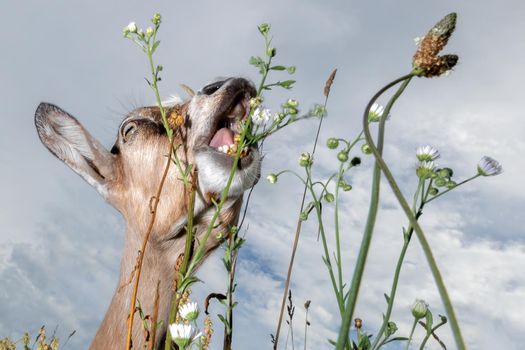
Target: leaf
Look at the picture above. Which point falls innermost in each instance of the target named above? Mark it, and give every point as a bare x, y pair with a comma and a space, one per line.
387, 298
226, 324
391, 328
364, 343
429, 320
287, 84
188, 282
332, 342
326, 262
155, 45
256, 61
278, 68
396, 339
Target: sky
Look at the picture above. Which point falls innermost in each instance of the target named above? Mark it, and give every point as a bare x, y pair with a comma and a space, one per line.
60, 243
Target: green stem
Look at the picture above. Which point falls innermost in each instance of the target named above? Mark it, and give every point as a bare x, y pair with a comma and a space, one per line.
411, 333
337, 238
430, 333
372, 213
328, 263
450, 189
187, 254
422, 239
296, 237
157, 94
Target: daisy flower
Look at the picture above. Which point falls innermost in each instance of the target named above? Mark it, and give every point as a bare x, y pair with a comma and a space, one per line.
489, 167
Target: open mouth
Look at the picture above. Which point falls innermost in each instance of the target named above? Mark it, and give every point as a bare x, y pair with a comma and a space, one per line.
227, 136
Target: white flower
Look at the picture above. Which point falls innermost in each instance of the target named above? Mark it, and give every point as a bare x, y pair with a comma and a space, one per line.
261, 116
425, 168
189, 311
183, 334
427, 153
132, 27
376, 112
489, 167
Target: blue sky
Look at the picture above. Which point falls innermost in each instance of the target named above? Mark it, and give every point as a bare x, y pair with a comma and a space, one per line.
60, 243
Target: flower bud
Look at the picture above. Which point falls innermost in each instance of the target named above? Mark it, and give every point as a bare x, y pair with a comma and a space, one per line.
342, 156
291, 111
291, 69
132, 27
278, 117
306, 159
329, 197
156, 19
440, 182
366, 149
264, 28
303, 216
355, 161
433, 191
255, 101
445, 173
451, 184
358, 323
346, 187
419, 309
292, 103
149, 32
272, 178
332, 143
271, 52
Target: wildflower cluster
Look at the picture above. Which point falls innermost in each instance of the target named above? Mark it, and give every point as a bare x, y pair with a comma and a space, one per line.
184, 332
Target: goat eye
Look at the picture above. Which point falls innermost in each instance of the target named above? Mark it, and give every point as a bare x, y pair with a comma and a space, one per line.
211, 88
128, 130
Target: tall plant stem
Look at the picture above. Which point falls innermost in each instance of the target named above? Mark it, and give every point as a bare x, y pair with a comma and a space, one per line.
372, 212
422, 239
296, 237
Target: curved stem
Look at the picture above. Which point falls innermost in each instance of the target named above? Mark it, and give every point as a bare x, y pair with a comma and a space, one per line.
430, 333
422, 239
372, 213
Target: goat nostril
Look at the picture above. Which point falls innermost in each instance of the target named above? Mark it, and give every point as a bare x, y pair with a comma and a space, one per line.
128, 130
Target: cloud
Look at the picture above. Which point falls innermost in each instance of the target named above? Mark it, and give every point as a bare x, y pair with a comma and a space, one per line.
58, 249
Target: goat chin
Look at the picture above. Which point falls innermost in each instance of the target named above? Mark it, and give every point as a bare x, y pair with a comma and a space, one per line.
214, 172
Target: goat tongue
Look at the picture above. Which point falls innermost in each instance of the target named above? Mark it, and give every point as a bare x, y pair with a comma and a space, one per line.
222, 137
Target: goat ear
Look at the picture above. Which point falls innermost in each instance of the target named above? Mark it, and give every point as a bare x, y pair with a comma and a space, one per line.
67, 139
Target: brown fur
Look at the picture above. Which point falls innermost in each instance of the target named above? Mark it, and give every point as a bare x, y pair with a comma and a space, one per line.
129, 176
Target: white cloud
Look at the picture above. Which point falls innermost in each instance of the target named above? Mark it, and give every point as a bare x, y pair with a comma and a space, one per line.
476, 232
